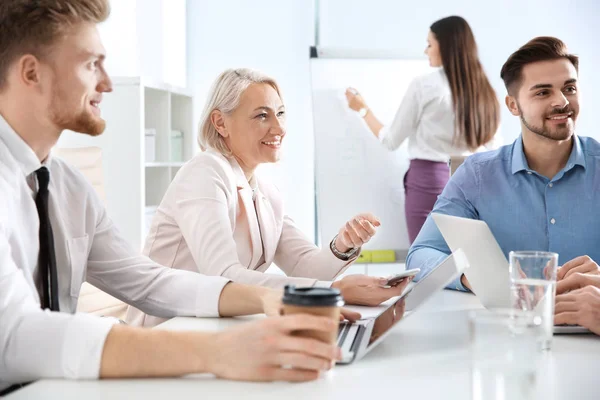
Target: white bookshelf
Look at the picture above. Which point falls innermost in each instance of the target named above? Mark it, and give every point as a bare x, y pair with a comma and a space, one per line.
135, 185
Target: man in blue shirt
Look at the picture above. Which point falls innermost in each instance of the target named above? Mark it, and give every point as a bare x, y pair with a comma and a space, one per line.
541, 192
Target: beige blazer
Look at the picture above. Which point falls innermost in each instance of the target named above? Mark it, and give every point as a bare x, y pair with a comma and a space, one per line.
210, 221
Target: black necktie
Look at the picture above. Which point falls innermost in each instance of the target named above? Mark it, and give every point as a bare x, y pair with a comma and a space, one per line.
47, 257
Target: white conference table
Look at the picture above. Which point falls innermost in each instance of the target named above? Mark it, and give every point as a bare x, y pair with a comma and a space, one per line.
425, 357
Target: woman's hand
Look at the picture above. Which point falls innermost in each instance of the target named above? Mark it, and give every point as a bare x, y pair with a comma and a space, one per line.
355, 100
358, 231
363, 290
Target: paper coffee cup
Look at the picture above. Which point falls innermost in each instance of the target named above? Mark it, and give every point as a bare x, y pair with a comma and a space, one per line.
320, 301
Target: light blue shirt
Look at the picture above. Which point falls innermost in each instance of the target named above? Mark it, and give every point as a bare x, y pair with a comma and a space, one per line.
524, 210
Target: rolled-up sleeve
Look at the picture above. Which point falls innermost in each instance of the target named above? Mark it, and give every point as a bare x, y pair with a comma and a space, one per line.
430, 248
38, 344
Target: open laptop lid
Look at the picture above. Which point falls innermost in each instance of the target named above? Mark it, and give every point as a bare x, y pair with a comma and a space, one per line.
489, 275
437, 279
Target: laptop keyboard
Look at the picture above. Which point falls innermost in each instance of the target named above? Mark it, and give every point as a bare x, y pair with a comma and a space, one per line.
349, 337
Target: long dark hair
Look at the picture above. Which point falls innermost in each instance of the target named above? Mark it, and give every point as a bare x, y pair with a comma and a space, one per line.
476, 107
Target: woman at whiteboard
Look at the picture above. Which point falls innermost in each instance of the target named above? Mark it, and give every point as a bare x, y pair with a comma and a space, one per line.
219, 217
452, 111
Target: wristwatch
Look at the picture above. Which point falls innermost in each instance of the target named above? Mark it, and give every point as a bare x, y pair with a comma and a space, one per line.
363, 112
342, 256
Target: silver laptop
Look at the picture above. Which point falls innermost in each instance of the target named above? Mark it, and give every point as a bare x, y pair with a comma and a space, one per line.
358, 338
489, 275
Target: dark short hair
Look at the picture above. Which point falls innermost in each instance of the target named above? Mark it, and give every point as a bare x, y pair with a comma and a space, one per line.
32, 27
542, 48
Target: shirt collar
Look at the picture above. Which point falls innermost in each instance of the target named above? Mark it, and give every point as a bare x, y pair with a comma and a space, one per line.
519, 162
577, 156
23, 154
242, 181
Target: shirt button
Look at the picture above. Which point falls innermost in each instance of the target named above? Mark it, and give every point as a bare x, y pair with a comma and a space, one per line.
528, 172
550, 185
552, 221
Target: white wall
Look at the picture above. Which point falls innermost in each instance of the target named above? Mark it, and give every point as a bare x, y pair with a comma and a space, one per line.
500, 27
147, 38
174, 42
120, 38
273, 36
150, 30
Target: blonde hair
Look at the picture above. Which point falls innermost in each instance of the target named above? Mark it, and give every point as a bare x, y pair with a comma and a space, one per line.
225, 96
32, 27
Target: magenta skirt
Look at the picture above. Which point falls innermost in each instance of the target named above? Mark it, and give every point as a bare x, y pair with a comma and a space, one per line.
423, 183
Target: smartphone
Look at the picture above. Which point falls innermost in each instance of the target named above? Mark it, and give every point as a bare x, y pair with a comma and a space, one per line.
396, 279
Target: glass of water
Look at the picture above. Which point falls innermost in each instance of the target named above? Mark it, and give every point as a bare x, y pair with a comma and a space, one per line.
533, 287
505, 356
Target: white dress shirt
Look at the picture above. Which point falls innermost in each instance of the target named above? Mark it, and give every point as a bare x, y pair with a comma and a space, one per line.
426, 119
42, 344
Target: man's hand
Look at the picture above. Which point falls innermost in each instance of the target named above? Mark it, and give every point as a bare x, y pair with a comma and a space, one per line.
583, 265
349, 315
465, 282
272, 306
271, 301
258, 351
579, 307
576, 281
368, 290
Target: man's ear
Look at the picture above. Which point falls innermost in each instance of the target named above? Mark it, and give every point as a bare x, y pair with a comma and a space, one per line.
29, 70
512, 105
218, 121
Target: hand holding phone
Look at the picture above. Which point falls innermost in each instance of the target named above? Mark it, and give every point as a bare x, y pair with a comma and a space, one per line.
396, 279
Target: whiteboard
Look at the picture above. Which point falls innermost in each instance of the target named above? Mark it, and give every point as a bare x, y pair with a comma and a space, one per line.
354, 173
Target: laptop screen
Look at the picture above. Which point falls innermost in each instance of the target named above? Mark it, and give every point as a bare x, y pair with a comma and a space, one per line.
387, 319
418, 294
